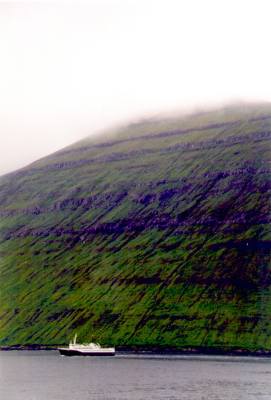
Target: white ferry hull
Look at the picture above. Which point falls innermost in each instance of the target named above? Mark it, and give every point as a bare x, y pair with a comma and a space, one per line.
73, 352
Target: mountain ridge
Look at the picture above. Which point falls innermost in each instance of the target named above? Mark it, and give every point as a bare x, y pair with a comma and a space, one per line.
158, 237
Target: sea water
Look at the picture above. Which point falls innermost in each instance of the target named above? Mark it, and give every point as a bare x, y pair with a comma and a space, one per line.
45, 375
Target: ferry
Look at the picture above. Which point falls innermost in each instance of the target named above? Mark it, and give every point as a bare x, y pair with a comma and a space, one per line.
86, 349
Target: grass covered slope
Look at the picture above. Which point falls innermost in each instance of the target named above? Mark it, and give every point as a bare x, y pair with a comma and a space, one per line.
155, 234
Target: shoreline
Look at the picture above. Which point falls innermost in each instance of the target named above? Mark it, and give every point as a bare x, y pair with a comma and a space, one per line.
156, 350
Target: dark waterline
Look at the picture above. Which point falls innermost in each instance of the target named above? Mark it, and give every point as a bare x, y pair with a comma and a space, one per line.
41, 375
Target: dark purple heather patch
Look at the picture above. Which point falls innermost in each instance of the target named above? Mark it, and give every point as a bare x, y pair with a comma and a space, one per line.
180, 187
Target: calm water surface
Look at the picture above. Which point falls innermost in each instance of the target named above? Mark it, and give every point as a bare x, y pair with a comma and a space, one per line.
30, 375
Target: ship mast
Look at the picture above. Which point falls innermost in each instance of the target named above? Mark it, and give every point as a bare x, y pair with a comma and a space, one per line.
74, 339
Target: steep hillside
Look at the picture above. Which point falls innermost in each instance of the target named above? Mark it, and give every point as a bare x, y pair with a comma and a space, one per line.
155, 234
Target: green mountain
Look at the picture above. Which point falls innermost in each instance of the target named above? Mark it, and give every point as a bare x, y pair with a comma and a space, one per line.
153, 234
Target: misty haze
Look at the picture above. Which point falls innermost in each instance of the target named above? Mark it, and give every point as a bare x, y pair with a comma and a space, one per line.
68, 71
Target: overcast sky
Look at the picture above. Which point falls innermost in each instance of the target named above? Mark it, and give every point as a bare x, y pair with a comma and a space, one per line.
68, 69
